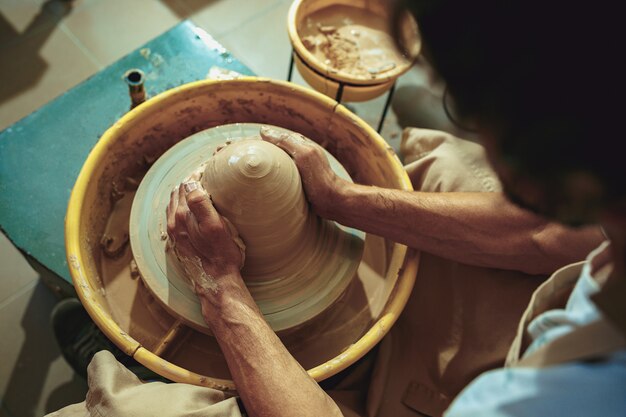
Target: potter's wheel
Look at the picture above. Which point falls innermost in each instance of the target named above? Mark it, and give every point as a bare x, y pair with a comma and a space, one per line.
286, 302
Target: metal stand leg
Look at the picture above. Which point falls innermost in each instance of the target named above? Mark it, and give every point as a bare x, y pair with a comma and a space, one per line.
387, 103
339, 93
290, 73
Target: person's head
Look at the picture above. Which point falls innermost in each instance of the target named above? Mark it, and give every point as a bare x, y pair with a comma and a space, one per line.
531, 76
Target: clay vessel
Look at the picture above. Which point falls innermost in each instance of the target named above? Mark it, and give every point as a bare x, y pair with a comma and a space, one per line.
256, 185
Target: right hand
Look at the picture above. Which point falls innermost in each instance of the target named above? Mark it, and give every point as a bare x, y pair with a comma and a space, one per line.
323, 188
198, 233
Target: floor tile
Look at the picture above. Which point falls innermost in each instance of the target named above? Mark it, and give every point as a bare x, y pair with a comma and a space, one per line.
40, 68
262, 43
22, 16
178, 7
110, 29
15, 273
62, 388
223, 16
34, 378
20, 19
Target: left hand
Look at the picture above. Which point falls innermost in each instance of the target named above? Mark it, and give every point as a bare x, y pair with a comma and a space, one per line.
323, 188
206, 243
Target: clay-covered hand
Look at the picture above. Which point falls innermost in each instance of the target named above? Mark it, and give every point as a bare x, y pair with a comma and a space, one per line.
206, 243
323, 188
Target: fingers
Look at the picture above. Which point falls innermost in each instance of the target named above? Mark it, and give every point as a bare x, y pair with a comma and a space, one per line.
291, 143
171, 211
176, 215
189, 202
178, 212
171, 207
181, 209
201, 207
182, 223
177, 230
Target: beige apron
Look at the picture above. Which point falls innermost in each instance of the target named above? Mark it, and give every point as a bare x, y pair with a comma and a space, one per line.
460, 320
114, 391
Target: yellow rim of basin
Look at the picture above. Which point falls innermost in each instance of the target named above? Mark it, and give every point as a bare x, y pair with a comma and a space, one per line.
76, 252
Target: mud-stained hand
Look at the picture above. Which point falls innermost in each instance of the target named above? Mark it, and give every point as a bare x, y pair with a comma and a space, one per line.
206, 243
322, 186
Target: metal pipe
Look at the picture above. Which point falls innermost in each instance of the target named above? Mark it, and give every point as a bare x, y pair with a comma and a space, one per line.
289, 74
339, 94
135, 79
387, 103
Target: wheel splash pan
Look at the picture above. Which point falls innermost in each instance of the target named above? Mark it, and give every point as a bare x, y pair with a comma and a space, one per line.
122, 307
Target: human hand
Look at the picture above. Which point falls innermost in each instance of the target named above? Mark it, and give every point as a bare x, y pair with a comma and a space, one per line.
323, 188
206, 243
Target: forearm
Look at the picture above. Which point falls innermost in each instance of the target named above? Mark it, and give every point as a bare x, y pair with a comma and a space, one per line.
268, 379
482, 229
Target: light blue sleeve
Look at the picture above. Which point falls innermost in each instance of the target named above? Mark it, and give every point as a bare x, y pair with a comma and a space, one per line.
572, 390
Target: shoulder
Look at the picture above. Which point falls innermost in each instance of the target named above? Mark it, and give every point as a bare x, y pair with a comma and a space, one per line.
572, 389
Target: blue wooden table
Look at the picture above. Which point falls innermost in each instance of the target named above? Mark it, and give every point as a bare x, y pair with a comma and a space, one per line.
42, 154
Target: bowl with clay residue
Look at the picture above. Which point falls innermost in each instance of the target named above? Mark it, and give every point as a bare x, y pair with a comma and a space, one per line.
349, 43
106, 275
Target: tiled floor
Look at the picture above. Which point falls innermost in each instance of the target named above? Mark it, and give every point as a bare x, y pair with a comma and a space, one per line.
47, 47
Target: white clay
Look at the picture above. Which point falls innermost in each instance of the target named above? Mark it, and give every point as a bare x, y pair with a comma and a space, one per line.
196, 274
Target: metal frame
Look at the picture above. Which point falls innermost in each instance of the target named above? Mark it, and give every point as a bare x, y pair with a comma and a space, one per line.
339, 94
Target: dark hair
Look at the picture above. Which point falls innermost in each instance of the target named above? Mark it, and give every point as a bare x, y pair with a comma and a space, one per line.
535, 76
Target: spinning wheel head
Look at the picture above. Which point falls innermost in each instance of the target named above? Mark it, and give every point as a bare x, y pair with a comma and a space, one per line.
297, 264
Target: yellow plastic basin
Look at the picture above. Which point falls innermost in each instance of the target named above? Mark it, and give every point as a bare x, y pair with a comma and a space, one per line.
144, 133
